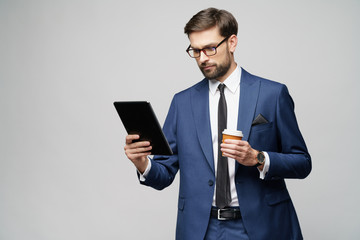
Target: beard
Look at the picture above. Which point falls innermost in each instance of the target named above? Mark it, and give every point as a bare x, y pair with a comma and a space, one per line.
220, 69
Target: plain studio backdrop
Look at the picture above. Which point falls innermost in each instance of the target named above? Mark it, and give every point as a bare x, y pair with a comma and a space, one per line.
63, 171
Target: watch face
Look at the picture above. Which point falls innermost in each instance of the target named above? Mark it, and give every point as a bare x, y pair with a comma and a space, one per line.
261, 157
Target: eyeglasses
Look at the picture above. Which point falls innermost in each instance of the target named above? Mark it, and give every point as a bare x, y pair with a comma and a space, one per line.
209, 51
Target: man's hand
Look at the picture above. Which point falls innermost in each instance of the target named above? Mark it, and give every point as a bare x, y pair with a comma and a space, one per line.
137, 152
241, 151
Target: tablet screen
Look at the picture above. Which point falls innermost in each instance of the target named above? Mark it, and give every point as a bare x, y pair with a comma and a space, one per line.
139, 118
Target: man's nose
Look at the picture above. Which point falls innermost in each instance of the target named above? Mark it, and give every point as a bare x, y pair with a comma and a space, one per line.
203, 57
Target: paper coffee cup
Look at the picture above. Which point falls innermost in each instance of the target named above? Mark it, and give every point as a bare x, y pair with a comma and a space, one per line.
232, 134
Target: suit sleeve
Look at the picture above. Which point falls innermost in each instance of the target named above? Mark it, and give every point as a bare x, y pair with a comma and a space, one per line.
164, 168
292, 160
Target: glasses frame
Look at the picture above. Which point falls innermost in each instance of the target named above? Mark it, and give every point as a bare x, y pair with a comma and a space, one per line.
204, 49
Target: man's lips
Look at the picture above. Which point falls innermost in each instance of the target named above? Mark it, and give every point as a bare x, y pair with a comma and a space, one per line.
208, 67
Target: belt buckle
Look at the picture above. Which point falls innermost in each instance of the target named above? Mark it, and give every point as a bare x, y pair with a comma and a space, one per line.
219, 215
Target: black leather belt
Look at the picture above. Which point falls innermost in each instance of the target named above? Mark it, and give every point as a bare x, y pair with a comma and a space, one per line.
226, 213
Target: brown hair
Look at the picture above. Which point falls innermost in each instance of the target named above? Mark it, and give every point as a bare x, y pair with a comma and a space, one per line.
212, 17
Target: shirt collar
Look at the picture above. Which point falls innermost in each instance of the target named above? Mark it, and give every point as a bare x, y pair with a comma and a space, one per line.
232, 82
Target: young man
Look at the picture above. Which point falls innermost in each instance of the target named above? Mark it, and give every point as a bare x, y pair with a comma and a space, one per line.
233, 190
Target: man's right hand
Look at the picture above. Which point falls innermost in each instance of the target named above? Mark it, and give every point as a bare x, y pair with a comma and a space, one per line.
137, 152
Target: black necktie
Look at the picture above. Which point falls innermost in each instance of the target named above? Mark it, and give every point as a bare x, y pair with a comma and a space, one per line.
223, 195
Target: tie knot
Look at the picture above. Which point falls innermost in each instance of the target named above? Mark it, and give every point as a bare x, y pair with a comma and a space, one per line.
221, 88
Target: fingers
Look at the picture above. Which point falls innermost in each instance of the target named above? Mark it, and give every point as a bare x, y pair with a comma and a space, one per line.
235, 145
235, 154
138, 149
239, 150
130, 144
236, 142
135, 150
131, 137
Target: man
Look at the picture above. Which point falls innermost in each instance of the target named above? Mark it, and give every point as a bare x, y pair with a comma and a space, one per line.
249, 199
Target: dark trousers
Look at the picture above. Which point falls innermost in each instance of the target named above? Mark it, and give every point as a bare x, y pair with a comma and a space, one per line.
226, 230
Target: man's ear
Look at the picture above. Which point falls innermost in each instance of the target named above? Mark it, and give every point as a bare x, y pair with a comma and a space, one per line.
232, 43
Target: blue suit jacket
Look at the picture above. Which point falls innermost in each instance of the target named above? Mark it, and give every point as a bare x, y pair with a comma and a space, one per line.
266, 207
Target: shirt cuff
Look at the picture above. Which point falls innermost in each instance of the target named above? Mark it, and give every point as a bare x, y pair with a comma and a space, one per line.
146, 172
266, 166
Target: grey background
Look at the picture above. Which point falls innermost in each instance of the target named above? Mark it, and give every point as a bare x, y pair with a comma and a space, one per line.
63, 171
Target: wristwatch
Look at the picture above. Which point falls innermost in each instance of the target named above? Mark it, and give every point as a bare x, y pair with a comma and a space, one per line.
260, 157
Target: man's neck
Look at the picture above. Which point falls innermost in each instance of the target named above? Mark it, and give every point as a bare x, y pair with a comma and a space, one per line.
231, 70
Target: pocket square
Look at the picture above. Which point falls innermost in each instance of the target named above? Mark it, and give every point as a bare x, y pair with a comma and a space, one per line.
260, 119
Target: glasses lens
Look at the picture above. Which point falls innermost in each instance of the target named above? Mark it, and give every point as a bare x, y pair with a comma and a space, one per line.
210, 51
193, 53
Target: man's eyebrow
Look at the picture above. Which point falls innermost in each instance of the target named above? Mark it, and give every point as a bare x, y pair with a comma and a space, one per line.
206, 46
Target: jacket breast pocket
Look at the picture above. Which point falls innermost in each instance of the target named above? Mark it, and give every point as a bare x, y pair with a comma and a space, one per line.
261, 127
262, 136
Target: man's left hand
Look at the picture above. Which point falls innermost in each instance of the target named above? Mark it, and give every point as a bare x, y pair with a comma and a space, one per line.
241, 151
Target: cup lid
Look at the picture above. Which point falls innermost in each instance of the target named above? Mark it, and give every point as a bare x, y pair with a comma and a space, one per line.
233, 132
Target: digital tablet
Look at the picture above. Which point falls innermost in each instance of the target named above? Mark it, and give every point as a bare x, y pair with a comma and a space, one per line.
139, 118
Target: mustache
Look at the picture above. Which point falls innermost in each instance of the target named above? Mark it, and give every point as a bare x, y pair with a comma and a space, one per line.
203, 65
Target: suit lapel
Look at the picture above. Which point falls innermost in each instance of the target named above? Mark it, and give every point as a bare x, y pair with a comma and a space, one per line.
200, 109
249, 92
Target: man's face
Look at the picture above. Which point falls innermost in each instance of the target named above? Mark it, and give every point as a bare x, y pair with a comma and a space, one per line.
218, 65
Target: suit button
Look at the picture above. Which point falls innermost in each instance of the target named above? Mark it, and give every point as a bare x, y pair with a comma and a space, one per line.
211, 182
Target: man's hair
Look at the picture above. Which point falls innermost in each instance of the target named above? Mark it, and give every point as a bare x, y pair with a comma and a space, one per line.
212, 17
